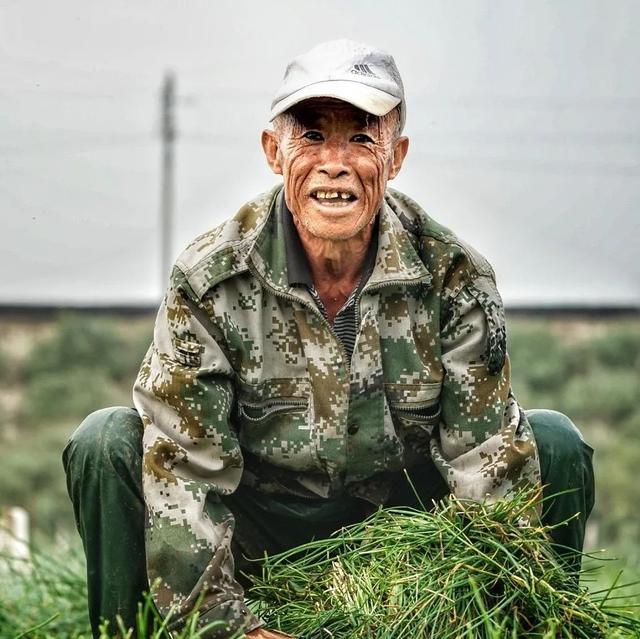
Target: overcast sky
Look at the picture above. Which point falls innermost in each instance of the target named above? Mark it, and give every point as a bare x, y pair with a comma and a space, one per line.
524, 120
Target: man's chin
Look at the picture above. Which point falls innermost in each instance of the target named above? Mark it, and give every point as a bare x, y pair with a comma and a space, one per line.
334, 225
333, 232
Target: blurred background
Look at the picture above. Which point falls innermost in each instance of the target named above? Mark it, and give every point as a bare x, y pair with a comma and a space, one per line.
128, 128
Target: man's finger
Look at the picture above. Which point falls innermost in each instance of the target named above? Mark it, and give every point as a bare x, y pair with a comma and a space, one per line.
264, 633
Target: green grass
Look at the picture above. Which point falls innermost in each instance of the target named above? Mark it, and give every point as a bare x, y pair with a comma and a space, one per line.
462, 571
44, 600
47, 599
465, 570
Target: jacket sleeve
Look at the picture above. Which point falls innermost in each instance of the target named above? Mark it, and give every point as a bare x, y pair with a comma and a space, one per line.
191, 456
484, 446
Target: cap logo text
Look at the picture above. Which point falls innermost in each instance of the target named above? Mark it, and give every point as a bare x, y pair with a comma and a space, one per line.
363, 69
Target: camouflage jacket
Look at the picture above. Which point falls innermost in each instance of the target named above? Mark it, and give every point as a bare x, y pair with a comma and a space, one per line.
246, 382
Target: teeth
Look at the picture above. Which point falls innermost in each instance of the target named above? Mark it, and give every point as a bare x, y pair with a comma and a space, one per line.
323, 195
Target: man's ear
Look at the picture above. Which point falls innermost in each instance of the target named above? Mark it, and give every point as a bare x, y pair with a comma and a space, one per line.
271, 146
400, 148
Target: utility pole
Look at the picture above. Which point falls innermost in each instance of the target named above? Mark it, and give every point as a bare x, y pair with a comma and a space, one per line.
168, 134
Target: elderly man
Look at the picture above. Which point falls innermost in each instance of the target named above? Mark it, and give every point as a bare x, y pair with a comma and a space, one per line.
309, 350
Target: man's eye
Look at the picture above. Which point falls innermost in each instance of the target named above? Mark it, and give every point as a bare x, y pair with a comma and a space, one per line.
361, 138
314, 136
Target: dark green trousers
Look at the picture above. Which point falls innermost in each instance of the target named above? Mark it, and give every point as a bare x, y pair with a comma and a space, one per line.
102, 461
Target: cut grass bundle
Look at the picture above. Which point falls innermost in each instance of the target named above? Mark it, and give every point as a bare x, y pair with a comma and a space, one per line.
464, 570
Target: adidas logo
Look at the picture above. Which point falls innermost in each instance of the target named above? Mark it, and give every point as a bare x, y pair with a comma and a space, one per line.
363, 69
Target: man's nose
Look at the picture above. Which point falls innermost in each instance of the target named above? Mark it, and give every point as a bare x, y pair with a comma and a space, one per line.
332, 162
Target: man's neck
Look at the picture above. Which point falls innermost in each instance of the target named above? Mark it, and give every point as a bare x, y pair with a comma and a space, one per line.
335, 264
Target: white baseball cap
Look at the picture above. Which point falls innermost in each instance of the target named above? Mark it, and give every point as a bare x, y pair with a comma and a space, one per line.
351, 71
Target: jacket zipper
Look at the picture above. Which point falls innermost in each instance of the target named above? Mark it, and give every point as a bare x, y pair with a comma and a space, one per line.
413, 411
273, 407
293, 401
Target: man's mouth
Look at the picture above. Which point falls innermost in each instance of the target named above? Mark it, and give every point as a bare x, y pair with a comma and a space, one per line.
333, 198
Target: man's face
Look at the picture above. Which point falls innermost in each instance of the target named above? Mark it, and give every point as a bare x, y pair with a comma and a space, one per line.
335, 160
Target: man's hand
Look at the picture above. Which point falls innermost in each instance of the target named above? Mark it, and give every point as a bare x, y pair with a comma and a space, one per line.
263, 633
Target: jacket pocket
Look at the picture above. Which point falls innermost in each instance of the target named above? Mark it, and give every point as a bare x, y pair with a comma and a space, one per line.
415, 411
274, 422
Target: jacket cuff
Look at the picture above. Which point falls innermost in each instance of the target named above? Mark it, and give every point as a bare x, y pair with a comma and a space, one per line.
231, 618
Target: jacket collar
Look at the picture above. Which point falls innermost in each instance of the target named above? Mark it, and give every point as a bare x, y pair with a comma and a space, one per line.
397, 260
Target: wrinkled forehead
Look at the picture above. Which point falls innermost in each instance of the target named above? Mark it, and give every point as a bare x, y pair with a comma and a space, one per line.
328, 111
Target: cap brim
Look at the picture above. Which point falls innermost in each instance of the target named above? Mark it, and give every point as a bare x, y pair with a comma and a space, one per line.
367, 98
